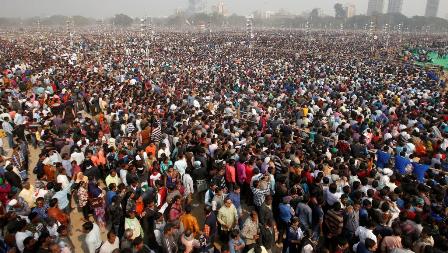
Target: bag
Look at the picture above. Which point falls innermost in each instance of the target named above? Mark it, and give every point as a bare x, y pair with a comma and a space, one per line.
99, 248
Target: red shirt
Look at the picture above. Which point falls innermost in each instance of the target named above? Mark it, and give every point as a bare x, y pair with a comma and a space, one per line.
249, 173
230, 174
163, 193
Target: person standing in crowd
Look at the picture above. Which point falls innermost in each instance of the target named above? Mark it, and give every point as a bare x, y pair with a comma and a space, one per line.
111, 243
227, 218
93, 237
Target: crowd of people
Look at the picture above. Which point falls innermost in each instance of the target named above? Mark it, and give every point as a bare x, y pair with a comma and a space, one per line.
192, 142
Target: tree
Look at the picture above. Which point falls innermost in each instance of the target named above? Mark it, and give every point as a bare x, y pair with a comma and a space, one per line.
122, 20
82, 21
314, 13
340, 11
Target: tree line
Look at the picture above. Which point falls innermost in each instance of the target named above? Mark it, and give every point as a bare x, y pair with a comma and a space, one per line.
394, 21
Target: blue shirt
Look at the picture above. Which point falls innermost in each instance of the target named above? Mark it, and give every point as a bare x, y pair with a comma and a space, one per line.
401, 163
109, 196
419, 171
235, 199
234, 242
382, 159
285, 212
41, 211
62, 196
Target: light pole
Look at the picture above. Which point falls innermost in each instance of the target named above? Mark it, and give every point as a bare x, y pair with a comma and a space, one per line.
249, 32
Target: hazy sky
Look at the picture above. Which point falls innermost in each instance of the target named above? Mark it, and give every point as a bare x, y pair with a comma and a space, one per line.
106, 8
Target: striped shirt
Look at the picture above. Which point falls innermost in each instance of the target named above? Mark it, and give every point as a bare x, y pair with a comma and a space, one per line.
130, 128
259, 195
156, 135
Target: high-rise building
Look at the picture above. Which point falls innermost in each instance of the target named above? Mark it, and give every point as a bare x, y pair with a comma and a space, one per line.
375, 7
395, 6
432, 8
350, 10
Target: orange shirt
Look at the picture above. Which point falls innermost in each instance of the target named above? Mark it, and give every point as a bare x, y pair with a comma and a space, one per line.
189, 222
151, 149
57, 214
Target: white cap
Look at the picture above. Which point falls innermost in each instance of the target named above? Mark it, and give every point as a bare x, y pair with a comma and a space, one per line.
12, 202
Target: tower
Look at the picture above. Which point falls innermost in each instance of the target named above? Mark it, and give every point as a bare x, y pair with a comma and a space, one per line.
395, 6
375, 7
432, 8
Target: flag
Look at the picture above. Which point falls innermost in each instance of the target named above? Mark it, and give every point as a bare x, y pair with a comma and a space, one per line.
401, 163
420, 170
382, 159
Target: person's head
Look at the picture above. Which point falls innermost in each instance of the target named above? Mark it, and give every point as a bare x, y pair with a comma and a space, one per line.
62, 230
370, 245
228, 202
333, 188
21, 225
236, 189
111, 236
168, 229
58, 187
397, 231
131, 214
254, 216
270, 222
225, 249
235, 234
188, 209
113, 172
128, 233
137, 244
40, 202
208, 209
54, 248
33, 217
295, 222
87, 227
26, 185
342, 243
268, 200
177, 200
54, 202
112, 187
29, 242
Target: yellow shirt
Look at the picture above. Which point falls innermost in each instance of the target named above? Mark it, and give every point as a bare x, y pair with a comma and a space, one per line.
228, 216
28, 196
305, 111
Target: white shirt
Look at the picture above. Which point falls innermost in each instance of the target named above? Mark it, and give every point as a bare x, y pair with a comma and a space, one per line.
93, 239
123, 174
78, 157
362, 234
212, 148
19, 119
20, 237
181, 166
108, 247
187, 181
63, 180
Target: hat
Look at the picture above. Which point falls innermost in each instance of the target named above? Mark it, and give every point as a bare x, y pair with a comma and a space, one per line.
420, 201
12, 202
